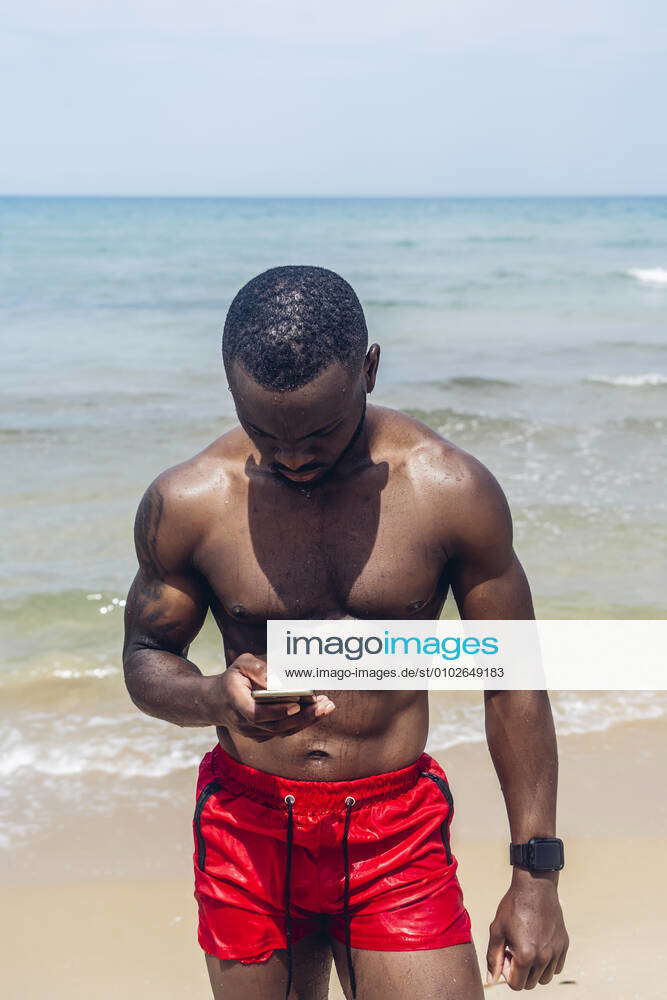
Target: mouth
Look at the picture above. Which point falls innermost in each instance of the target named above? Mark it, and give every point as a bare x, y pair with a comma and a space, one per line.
306, 474
300, 477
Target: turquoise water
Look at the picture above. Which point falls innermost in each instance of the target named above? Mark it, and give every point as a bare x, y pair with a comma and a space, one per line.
532, 332
519, 327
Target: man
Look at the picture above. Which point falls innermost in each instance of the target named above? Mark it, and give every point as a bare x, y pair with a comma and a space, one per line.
325, 828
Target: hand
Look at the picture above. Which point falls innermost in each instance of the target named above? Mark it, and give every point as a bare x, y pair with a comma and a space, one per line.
527, 939
239, 711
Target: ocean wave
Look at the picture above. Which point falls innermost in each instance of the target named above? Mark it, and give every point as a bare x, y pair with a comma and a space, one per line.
503, 430
131, 746
90, 763
640, 425
575, 712
630, 381
649, 275
634, 345
97, 672
634, 243
473, 382
396, 303
499, 239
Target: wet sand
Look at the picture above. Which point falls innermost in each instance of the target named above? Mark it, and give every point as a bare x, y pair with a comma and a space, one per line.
102, 908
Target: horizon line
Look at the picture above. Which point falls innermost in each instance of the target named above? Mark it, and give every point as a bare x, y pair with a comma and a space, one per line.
334, 197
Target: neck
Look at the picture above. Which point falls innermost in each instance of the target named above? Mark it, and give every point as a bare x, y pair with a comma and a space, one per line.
357, 450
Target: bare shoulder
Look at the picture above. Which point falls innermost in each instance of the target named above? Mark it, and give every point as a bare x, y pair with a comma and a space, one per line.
457, 488
176, 508
425, 454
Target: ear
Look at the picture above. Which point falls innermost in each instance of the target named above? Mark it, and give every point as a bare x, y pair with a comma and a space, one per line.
371, 362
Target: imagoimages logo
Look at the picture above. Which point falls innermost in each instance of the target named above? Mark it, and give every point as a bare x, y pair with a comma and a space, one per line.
354, 647
590, 655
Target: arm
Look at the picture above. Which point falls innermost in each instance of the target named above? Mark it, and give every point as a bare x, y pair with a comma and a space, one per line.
488, 581
165, 609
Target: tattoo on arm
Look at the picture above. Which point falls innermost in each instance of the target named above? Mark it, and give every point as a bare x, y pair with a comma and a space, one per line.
157, 615
147, 525
148, 614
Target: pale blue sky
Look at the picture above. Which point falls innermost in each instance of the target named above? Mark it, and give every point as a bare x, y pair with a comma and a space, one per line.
405, 97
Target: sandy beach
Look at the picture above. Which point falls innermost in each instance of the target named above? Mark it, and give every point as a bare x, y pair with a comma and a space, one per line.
101, 908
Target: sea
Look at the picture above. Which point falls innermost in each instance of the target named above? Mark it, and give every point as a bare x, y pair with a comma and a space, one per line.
530, 331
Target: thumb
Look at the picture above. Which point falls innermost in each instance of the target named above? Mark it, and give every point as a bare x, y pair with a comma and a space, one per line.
251, 667
507, 965
495, 957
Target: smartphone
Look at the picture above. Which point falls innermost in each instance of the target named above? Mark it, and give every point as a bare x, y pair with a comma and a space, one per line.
280, 697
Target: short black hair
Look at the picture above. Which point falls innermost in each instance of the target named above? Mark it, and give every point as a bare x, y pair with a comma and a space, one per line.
290, 323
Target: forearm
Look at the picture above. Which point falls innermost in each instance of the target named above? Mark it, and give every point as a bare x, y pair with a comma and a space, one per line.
171, 687
527, 937
522, 742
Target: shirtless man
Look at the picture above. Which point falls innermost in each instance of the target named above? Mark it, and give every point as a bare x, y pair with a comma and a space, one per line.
323, 829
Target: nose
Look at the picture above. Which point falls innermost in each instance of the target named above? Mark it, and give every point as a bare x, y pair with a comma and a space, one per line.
293, 459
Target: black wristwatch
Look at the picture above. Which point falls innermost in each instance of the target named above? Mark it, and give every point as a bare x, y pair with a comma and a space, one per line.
540, 854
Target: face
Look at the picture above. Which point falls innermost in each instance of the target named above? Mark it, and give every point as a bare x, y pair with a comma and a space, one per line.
302, 434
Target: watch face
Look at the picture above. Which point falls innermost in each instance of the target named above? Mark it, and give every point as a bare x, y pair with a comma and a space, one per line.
547, 854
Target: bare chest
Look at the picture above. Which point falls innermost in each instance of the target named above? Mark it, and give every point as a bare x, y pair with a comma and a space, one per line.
363, 553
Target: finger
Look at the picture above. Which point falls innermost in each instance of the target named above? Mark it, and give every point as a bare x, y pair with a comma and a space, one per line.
240, 686
256, 714
517, 973
561, 962
548, 973
251, 667
277, 718
270, 730
531, 979
247, 710
534, 973
301, 727
506, 965
495, 955
277, 712
305, 715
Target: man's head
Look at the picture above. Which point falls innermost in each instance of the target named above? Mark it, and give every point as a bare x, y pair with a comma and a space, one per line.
290, 323
295, 351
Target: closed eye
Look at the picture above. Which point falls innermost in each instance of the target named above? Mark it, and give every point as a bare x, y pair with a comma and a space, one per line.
260, 433
325, 431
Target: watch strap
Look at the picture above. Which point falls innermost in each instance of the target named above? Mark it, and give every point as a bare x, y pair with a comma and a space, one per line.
519, 855
531, 855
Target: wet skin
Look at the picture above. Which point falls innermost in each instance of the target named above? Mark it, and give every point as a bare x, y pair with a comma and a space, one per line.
320, 507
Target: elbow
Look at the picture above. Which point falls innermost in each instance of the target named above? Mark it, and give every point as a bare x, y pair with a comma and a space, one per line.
134, 673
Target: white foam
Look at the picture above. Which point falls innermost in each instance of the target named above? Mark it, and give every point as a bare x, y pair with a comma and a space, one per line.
133, 747
16, 758
69, 674
649, 275
127, 746
108, 720
631, 381
573, 713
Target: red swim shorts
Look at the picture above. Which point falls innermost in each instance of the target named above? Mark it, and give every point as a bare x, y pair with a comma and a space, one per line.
367, 860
